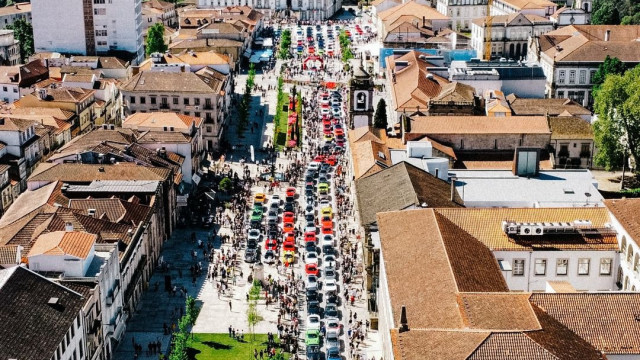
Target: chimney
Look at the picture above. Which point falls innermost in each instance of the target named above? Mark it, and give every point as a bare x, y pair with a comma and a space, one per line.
424, 22
453, 188
607, 35
68, 227
404, 326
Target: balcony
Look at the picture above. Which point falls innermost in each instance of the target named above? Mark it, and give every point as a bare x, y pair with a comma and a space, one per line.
207, 107
164, 107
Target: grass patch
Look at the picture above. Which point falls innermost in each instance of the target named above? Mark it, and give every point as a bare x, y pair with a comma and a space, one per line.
221, 346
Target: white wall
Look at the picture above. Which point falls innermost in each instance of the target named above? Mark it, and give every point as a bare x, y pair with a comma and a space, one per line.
531, 282
629, 249
11, 94
58, 26
69, 265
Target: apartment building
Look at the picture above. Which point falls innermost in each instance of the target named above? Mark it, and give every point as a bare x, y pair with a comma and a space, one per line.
304, 9
159, 11
90, 27
9, 14
9, 48
19, 80
200, 94
570, 56
462, 12
542, 8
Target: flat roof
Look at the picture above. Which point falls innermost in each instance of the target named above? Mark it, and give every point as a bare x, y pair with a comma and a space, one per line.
552, 188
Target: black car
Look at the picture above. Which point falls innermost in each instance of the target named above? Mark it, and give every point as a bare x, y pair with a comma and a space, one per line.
252, 244
289, 207
312, 295
273, 232
313, 307
328, 250
331, 311
333, 299
313, 352
309, 217
310, 246
251, 255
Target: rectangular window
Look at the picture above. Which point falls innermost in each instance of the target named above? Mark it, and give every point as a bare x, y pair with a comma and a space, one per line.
518, 267
101, 32
540, 267
605, 266
583, 266
583, 77
560, 94
143, 100
196, 114
186, 101
561, 75
73, 331
592, 73
196, 101
153, 100
98, 1
175, 101
4, 88
562, 266
572, 76
99, 11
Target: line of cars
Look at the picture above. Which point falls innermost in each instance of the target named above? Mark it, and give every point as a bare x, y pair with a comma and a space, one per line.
323, 324
278, 210
313, 38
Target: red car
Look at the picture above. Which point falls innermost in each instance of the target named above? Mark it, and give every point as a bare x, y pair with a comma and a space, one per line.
271, 244
291, 191
288, 247
327, 230
287, 227
289, 237
310, 236
339, 132
326, 222
311, 269
331, 160
288, 217
319, 158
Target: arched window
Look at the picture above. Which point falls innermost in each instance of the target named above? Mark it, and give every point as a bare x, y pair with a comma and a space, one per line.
623, 244
629, 253
626, 283
636, 263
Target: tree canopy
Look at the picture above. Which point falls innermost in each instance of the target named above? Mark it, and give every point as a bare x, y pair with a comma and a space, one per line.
23, 32
617, 104
611, 65
614, 12
380, 117
155, 39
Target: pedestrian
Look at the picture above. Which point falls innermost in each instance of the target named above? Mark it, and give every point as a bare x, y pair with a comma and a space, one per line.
231, 310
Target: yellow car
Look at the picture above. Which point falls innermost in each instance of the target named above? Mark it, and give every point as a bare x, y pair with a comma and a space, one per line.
260, 198
328, 211
288, 257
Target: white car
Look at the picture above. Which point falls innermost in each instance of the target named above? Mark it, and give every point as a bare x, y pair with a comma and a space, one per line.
311, 283
330, 286
276, 199
313, 322
311, 258
333, 325
325, 111
329, 261
325, 204
254, 234
327, 240
314, 165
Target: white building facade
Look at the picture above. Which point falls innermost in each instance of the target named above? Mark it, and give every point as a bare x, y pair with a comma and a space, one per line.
89, 27
462, 12
304, 9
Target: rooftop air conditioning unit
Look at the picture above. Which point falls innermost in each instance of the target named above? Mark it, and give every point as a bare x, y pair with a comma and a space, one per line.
526, 229
538, 229
510, 228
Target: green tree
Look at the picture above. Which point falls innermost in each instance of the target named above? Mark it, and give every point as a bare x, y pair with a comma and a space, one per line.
617, 104
380, 117
605, 12
192, 309
23, 32
155, 39
609, 66
225, 184
285, 45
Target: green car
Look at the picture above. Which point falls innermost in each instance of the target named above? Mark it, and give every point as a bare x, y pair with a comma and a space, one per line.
312, 338
256, 215
258, 207
323, 188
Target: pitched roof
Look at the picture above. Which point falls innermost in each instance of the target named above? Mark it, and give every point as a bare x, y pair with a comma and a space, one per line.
469, 313
183, 82
74, 243
14, 124
627, 212
17, 8
28, 202
550, 107
399, 187
369, 157
512, 19
479, 125
112, 62
158, 120
485, 225
8, 254
530, 4
412, 8
586, 43
27, 314
570, 127
204, 43
163, 137
192, 58
90, 172
55, 112
608, 321
113, 209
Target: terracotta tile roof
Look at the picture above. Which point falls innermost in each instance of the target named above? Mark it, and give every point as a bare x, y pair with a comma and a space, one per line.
112, 209
608, 321
517, 346
163, 137
412, 8
29, 202
191, 58
412, 88
472, 263
14, 124
55, 112
585, 43
530, 4
517, 18
501, 312
627, 212
75, 243
551, 107
67, 94
159, 4
159, 120
367, 159
399, 187
479, 125
485, 225
17, 8
570, 127
112, 62
183, 82
204, 43
403, 251
90, 172
415, 344
26, 314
